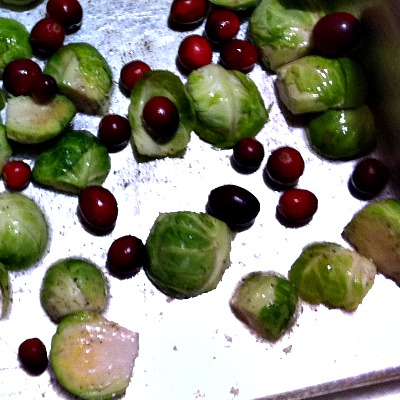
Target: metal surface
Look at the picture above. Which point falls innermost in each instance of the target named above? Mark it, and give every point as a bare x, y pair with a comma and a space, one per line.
196, 348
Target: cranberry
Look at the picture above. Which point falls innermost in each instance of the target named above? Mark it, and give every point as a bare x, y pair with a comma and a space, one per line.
17, 175
369, 177
98, 208
32, 354
239, 54
285, 165
194, 52
248, 154
47, 36
130, 74
19, 76
234, 205
222, 25
298, 205
336, 34
126, 256
188, 11
160, 118
68, 13
114, 131
44, 89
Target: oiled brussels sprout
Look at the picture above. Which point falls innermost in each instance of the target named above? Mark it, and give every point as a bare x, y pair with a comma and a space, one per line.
5, 292
167, 84
188, 253
5, 148
314, 83
72, 285
92, 357
228, 105
281, 29
76, 161
83, 75
330, 274
18, 3
235, 4
343, 134
14, 41
23, 231
266, 302
375, 233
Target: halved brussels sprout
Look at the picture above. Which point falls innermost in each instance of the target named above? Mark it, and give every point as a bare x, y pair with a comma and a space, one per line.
18, 3
266, 302
83, 75
76, 161
166, 84
235, 4
188, 253
5, 292
332, 275
92, 357
5, 148
314, 83
228, 105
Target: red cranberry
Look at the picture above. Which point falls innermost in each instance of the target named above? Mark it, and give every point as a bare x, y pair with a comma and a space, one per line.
248, 154
33, 356
130, 74
47, 36
222, 25
194, 52
17, 175
239, 54
114, 131
188, 11
68, 13
44, 89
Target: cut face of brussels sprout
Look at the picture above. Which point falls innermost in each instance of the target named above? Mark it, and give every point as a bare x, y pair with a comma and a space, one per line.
375, 233
76, 161
5, 292
14, 40
314, 83
5, 148
327, 273
166, 84
281, 29
30, 122
73, 285
188, 253
266, 302
23, 231
83, 75
343, 134
228, 105
235, 4
93, 358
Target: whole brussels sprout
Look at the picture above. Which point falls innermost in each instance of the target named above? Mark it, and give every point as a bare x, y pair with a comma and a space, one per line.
330, 274
23, 231
188, 253
227, 103
73, 285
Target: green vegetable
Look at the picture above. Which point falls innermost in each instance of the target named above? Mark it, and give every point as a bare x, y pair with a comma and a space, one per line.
228, 105
30, 122
83, 75
343, 134
375, 233
18, 3
92, 357
313, 83
281, 29
167, 84
235, 4
188, 253
332, 275
266, 302
14, 40
72, 285
23, 231
5, 148
76, 161
4, 291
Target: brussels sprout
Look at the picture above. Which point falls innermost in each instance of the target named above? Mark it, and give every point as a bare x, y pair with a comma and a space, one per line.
188, 253
235, 4
30, 122
76, 161
266, 302
281, 30
73, 285
343, 134
313, 83
4, 291
167, 84
330, 274
18, 3
23, 231
375, 233
14, 41
5, 148
228, 105
92, 357
83, 75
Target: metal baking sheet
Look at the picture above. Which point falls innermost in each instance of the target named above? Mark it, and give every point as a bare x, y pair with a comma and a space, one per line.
196, 348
